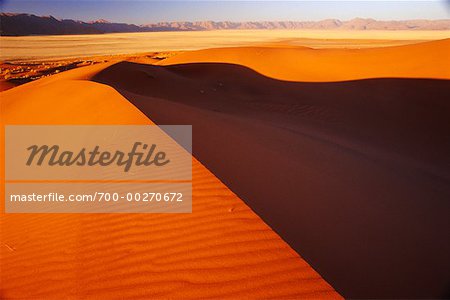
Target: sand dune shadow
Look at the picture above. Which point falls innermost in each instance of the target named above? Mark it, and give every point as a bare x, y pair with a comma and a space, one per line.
354, 175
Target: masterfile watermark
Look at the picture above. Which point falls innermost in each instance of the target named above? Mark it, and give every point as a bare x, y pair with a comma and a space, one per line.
98, 169
52, 155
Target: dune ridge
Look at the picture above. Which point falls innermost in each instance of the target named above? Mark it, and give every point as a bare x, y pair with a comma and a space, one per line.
422, 60
221, 250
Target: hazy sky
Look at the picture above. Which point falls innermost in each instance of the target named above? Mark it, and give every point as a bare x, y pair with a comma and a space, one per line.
148, 11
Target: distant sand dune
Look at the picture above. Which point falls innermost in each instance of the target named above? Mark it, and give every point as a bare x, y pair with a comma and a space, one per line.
221, 250
423, 60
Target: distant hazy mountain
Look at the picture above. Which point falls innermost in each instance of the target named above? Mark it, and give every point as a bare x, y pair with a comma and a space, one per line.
27, 24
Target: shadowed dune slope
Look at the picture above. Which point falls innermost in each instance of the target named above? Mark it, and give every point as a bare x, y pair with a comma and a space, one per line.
221, 250
423, 60
354, 175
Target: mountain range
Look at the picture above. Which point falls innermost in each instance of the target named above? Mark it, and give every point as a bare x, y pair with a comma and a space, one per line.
19, 24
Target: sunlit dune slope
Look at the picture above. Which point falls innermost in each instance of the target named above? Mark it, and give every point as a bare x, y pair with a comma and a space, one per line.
220, 250
423, 60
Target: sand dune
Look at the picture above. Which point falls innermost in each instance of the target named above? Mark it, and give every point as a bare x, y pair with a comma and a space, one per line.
354, 175
423, 60
352, 172
221, 250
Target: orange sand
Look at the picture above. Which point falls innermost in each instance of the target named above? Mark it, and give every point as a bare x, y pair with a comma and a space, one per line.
358, 160
423, 60
221, 250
